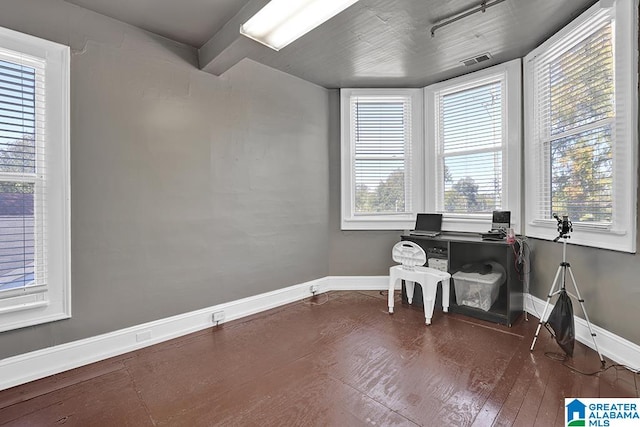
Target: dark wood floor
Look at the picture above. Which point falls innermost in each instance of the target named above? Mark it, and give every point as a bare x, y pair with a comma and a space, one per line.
336, 360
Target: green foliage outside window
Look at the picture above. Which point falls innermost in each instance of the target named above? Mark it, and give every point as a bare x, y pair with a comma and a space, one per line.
387, 197
581, 111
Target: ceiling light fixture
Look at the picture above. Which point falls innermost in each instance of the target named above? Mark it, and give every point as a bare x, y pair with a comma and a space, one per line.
281, 22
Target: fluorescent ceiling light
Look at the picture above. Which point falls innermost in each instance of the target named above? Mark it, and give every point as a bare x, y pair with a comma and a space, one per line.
281, 22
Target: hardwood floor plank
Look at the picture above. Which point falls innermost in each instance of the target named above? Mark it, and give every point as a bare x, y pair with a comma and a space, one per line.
106, 400
508, 394
295, 395
428, 376
53, 383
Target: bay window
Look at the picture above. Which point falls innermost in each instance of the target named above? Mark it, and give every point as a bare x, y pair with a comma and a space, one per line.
581, 136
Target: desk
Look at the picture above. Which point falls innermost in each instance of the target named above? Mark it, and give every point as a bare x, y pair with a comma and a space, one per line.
461, 249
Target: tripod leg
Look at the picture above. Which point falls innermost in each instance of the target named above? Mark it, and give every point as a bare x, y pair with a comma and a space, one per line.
546, 307
586, 316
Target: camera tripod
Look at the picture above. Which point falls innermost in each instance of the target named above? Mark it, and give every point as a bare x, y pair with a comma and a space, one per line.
563, 268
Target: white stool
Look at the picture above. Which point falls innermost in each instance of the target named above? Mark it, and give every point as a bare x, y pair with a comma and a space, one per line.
412, 258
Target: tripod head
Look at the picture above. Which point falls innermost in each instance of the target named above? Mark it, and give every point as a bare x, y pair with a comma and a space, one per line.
564, 227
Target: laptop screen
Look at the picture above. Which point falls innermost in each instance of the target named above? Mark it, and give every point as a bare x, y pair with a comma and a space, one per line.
429, 222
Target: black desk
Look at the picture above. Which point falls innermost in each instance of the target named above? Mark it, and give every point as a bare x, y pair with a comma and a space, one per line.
461, 249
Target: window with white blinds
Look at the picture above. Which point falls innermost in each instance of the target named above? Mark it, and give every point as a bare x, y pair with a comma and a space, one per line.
379, 138
470, 147
473, 146
34, 179
382, 143
579, 144
22, 175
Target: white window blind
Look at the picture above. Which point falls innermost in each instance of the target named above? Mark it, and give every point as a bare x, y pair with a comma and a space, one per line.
381, 156
23, 175
470, 148
474, 153
581, 105
35, 284
574, 119
382, 150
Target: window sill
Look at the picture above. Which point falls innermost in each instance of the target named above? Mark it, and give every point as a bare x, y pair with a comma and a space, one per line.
397, 223
23, 306
584, 235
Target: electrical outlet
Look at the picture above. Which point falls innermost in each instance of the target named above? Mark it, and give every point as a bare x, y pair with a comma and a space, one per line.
143, 336
313, 289
218, 317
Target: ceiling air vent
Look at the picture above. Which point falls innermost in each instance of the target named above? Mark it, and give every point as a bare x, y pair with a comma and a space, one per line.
476, 59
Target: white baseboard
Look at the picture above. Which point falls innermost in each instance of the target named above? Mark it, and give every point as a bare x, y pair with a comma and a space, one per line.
48, 361
358, 283
52, 360
614, 347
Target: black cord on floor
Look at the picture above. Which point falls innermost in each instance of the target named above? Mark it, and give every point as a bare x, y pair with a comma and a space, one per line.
618, 367
317, 299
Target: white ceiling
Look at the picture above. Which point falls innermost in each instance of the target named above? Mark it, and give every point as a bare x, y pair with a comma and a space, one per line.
371, 44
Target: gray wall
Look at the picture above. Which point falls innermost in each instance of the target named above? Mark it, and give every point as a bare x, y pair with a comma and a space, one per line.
187, 189
352, 252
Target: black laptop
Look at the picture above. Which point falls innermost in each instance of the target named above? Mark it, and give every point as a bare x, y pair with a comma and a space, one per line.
427, 224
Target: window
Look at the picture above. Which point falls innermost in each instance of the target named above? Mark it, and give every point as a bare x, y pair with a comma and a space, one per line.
474, 147
381, 155
581, 107
34, 181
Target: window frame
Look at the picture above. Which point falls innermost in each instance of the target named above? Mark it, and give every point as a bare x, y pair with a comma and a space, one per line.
511, 73
54, 302
351, 221
621, 235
